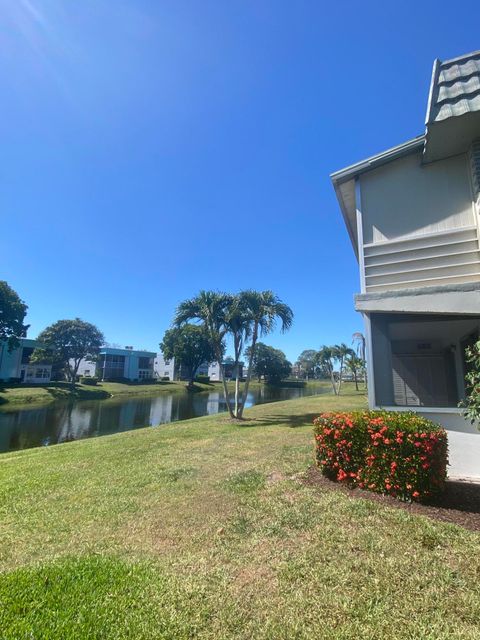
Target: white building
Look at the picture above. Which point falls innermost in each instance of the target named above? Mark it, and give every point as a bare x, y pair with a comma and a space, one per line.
412, 213
15, 365
164, 368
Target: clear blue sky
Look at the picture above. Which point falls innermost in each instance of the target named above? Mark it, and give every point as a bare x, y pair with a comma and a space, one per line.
152, 148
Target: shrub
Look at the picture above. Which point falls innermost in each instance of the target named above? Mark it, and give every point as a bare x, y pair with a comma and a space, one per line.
165, 379
89, 381
202, 379
400, 454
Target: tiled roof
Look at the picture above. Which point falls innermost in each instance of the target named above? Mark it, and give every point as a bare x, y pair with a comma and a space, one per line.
455, 88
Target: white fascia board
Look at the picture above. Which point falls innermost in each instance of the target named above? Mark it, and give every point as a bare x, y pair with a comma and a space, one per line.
354, 170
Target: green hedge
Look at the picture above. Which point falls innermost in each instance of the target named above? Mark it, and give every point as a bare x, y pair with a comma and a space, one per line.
89, 381
400, 454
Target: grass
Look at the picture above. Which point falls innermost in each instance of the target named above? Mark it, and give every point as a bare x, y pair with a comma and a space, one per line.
13, 395
204, 529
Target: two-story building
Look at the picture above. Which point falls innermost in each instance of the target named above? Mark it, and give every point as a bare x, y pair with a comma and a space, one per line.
15, 365
412, 213
128, 363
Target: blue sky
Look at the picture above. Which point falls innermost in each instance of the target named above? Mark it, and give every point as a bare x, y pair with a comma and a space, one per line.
153, 148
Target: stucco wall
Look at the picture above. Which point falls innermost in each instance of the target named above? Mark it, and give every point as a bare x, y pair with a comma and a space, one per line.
405, 199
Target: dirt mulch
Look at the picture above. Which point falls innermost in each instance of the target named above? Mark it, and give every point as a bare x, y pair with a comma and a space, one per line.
459, 504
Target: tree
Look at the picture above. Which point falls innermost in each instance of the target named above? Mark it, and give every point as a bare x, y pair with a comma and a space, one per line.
190, 346
238, 326
245, 316
471, 404
270, 364
67, 342
12, 314
325, 359
340, 353
209, 309
356, 365
264, 310
307, 363
359, 339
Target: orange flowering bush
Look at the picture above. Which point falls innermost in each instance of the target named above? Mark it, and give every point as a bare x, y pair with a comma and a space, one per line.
400, 454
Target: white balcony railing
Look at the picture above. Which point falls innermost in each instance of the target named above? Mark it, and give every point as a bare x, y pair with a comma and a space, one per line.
445, 257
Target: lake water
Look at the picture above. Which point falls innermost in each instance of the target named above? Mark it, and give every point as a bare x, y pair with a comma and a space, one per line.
63, 421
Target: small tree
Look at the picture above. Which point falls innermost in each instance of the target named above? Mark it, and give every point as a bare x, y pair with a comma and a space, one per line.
307, 363
190, 346
68, 342
12, 314
270, 364
471, 404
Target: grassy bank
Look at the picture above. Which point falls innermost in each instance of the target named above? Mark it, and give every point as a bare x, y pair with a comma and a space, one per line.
204, 529
21, 394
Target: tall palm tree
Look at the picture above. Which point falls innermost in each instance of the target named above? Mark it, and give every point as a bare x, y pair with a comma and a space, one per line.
355, 364
210, 309
325, 357
360, 341
238, 325
264, 310
340, 353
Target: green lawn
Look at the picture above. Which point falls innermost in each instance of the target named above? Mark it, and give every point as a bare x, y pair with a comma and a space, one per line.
204, 529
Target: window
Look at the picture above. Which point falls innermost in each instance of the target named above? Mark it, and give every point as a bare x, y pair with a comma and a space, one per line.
144, 362
86, 373
145, 374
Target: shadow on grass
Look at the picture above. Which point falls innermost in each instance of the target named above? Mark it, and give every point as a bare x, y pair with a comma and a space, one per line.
274, 419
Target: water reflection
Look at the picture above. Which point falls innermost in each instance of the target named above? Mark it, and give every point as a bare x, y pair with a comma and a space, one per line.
64, 421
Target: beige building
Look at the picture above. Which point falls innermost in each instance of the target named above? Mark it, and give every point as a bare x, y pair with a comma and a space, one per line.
412, 213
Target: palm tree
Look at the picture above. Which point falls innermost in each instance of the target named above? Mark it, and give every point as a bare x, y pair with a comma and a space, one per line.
325, 358
238, 325
340, 353
355, 364
264, 310
210, 309
360, 341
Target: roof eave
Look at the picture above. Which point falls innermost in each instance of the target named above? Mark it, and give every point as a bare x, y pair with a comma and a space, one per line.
354, 170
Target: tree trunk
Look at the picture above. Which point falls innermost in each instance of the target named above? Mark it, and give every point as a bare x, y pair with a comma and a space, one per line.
355, 378
73, 375
249, 374
340, 380
237, 392
332, 379
225, 388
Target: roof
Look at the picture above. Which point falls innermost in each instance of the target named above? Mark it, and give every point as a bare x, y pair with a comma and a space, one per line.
114, 351
455, 88
354, 170
344, 180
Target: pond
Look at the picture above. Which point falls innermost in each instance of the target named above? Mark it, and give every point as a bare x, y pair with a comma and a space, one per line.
65, 421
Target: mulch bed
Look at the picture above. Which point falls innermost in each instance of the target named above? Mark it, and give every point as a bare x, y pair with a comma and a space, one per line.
459, 504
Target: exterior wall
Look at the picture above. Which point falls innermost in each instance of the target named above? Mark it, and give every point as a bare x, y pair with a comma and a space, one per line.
87, 369
417, 225
405, 199
11, 365
132, 370
164, 368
